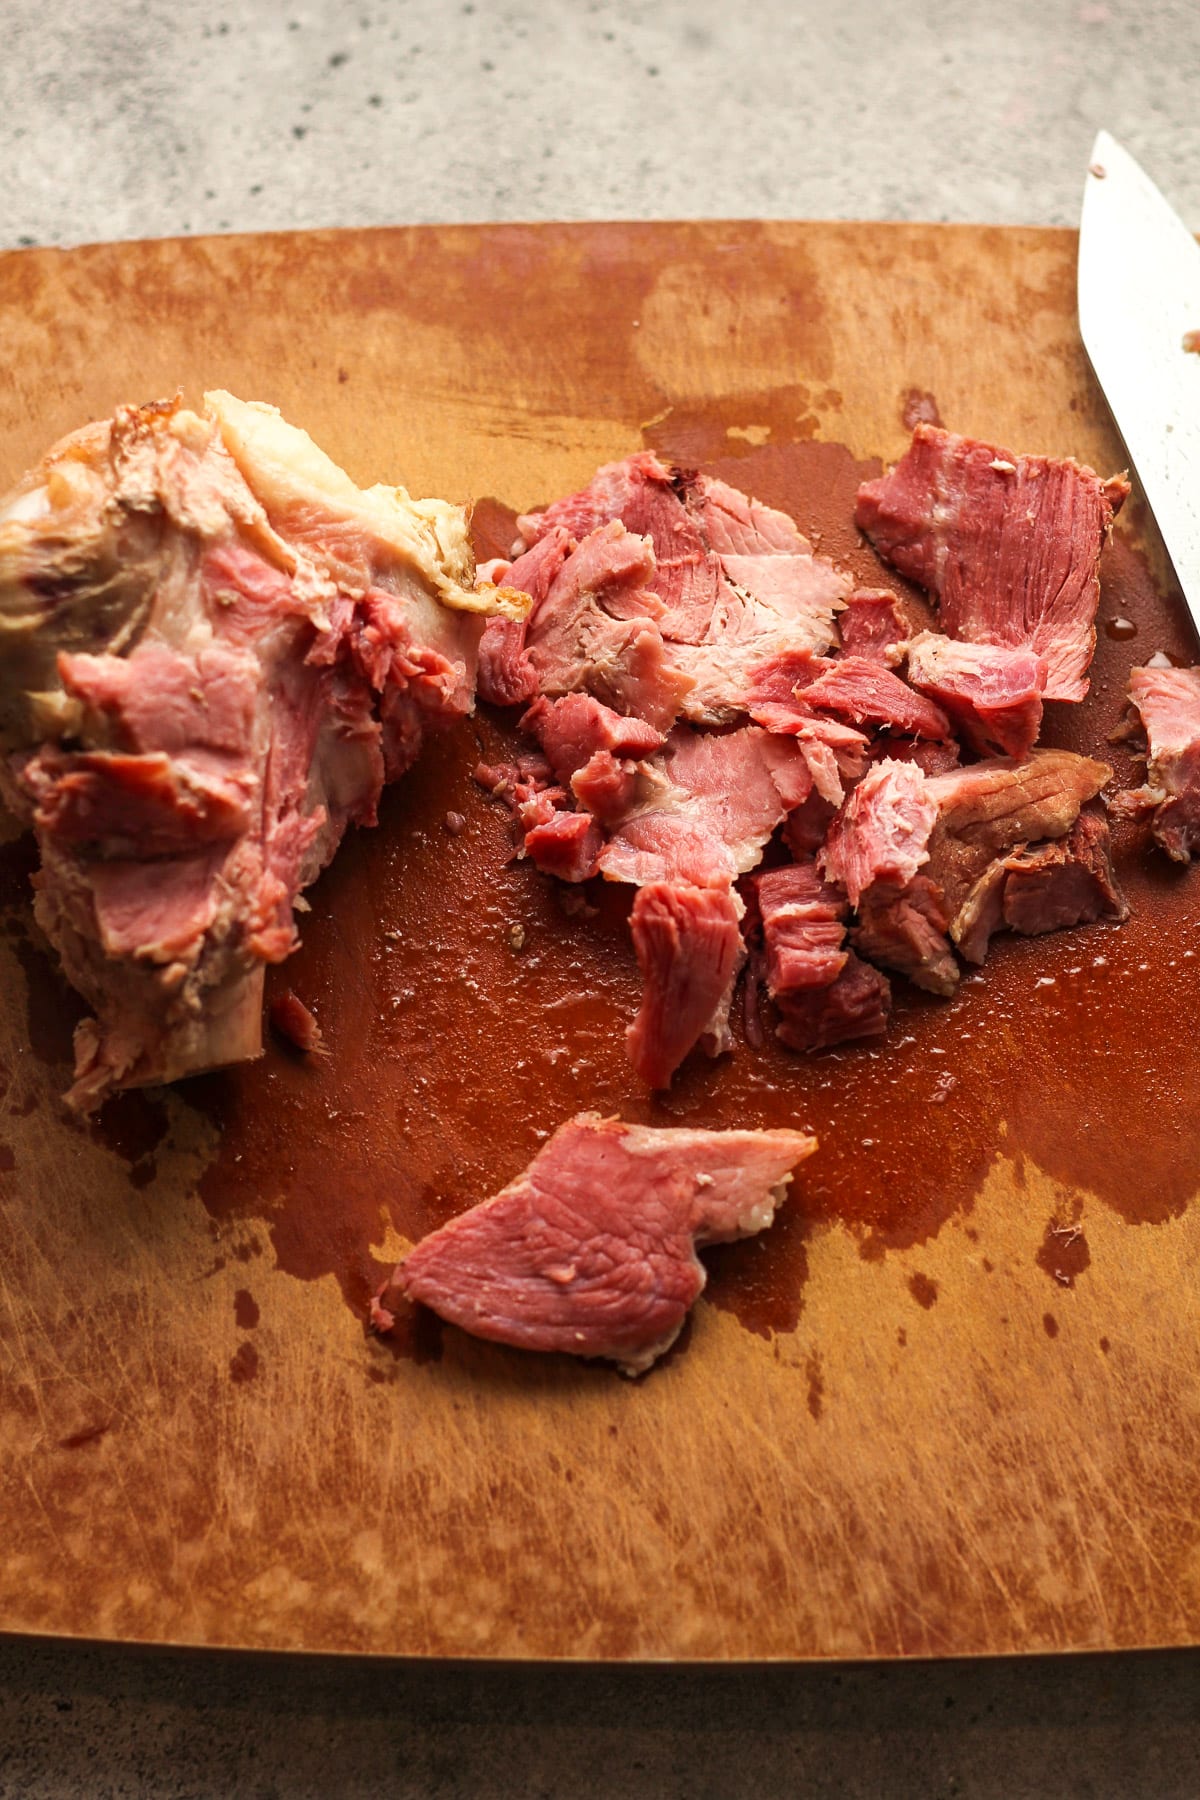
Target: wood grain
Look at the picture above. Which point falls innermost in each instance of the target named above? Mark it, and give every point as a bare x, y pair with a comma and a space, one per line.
949, 1446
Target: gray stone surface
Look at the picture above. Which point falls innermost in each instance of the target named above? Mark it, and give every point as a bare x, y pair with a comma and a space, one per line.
100, 1724
132, 118
144, 118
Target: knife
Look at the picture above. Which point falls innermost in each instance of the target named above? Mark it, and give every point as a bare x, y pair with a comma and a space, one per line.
1139, 299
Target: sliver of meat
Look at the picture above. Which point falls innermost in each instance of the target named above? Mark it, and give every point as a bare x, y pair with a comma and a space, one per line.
592, 1249
1010, 545
873, 625
218, 648
1166, 702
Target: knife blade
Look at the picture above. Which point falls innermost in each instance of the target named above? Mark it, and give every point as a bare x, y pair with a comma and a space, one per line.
1139, 298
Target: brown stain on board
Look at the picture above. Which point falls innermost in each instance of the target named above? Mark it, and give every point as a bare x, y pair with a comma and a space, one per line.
923, 1290
1064, 1253
245, 1310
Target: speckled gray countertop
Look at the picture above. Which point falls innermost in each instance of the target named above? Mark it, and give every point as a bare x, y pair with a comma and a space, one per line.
135, 118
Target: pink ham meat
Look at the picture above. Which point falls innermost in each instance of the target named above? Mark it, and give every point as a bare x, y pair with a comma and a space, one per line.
712, 803
992, 694
874, 626
1009, 545
823, 994
1166, 703
865, 692
882, 832
218, 649
689, 949
598, 631
591, 1251
735, 580
506, 675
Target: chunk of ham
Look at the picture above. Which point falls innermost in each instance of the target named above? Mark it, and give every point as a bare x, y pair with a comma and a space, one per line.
910, 848
1043, 887
591, 1250
992, 694
823, 993
735, 580
1166, 705
218, 648
689, 949
1009, 545
882, 832
597, 631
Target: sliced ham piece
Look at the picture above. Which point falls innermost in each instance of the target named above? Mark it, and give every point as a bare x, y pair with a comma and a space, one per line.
597, 631
1166, 703
1043, 887
689, 950
1009, 545
592, 1249
853, 1007
873, 625
865, 692
714, 803
218, 648
735, 581
993, 694
506, 675
882, 832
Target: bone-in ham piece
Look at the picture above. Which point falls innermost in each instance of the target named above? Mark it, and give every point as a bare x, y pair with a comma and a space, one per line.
592, 1249
216, 650
1166, 704
1009, 545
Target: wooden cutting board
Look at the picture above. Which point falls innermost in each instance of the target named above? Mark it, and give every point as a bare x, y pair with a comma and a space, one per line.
951, 1404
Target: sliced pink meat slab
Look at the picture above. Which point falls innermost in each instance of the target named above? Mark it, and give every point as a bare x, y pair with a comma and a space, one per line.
716, 798
993, 694
1009, 545
597, 632
689, 949
591, 1250
882, 832
1166, 703
735, 580
865, 692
